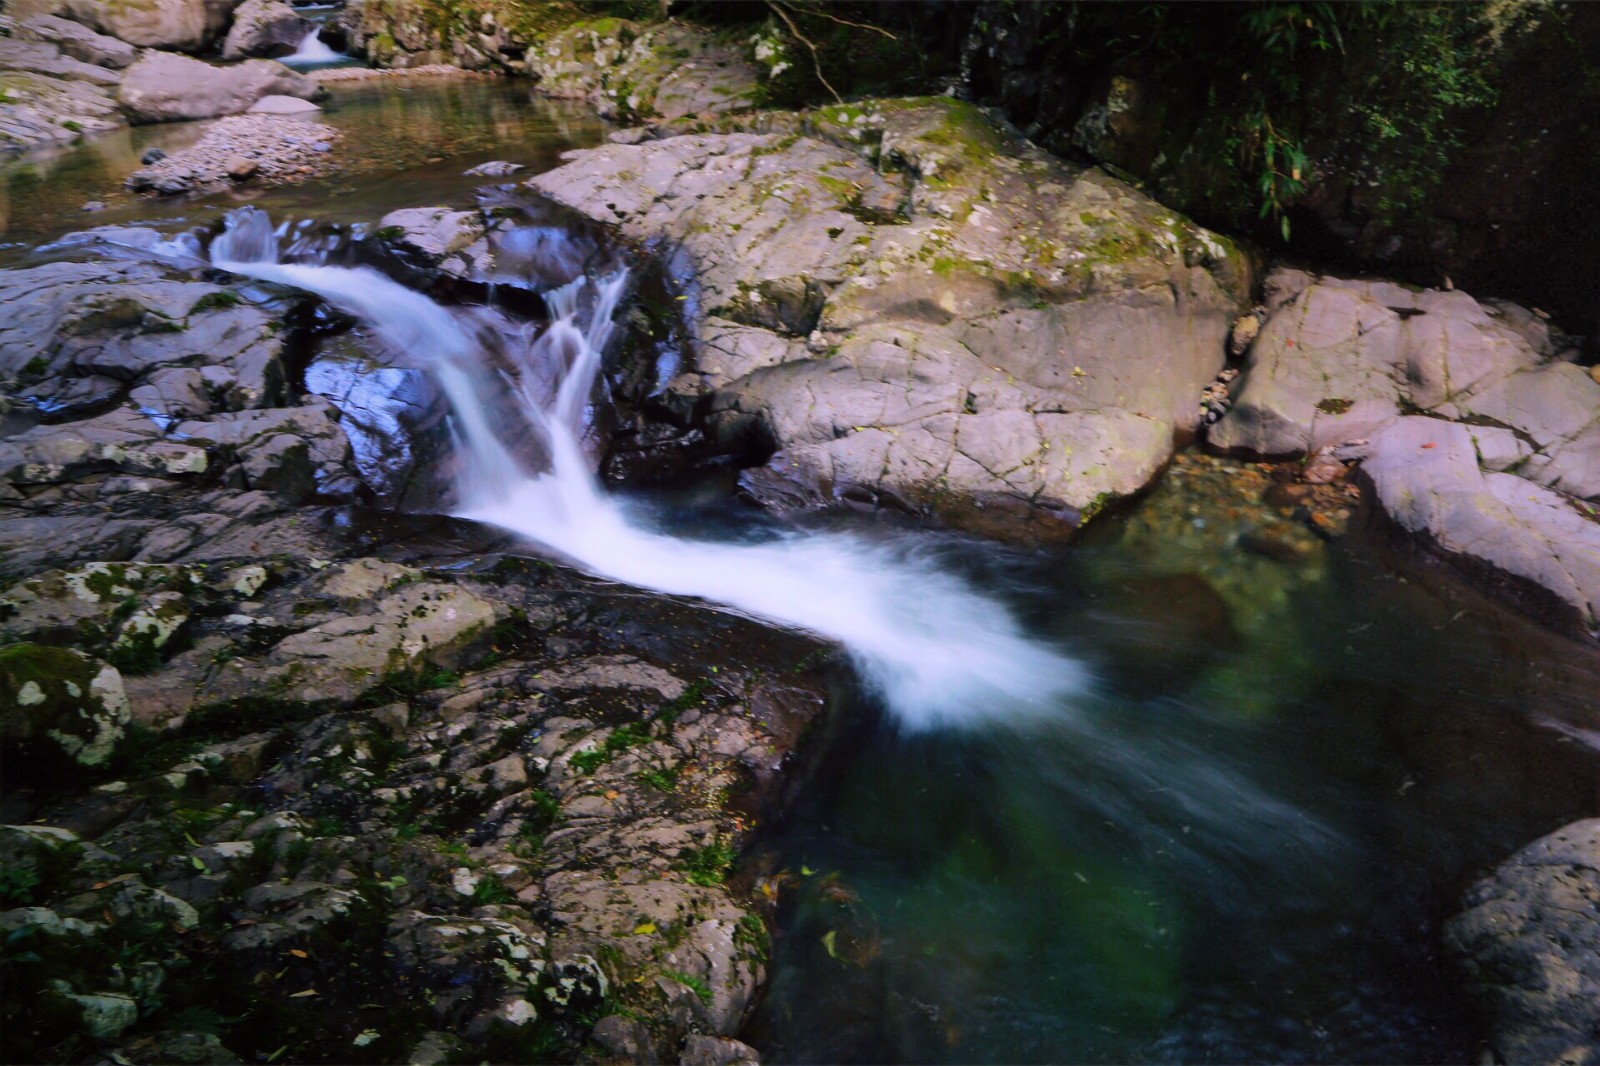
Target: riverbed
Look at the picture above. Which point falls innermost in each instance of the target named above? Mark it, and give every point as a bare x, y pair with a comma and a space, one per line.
1232, 836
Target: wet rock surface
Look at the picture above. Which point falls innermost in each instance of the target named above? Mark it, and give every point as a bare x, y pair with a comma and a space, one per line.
1527, 943
332, 795
979, 332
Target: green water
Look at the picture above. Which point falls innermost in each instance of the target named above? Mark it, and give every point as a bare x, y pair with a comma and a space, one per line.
406, 144
1238, 849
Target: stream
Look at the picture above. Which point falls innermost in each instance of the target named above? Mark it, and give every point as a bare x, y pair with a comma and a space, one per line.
1163, 795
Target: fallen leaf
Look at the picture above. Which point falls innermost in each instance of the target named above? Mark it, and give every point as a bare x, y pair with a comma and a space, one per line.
806, 871
297, 953
830, 941
98, 885
643, 928
612, 794
1430, 444
302, 995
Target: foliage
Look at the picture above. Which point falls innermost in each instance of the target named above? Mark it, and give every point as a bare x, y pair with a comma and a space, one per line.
708, 866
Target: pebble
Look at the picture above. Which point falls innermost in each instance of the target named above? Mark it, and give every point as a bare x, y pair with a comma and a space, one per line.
152, 155
95, 205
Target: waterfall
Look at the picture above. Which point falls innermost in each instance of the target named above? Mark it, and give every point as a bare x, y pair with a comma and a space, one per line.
312, 50
939, 651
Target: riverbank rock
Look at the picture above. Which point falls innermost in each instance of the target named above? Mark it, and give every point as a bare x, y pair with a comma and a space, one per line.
162, 87
271, 147
264, 28
180, 25
631, 72
59, 704
46, 96
1501, 467
1527, 944
78, 41
979, 331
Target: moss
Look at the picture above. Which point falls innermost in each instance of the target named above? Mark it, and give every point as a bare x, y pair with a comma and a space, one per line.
215, 301
1335, 406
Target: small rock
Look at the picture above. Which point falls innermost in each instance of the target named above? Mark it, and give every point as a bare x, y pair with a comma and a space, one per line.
241, 168
498, 168
717, 1051
94, 205
152, 155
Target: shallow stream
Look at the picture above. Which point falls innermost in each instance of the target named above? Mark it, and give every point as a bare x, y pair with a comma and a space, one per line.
1228, 834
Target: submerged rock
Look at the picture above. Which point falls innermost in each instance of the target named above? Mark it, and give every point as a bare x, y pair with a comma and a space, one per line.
1528, 945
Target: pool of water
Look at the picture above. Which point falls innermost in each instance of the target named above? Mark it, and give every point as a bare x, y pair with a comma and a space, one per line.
1238, 848
406, 144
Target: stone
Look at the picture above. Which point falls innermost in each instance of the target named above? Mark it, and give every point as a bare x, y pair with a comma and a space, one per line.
152, 155
495, 169
162, 87
41, 58
699, 1050
78, 41
268, 29
1425, 475
273, 140
60, 703
241, 168
436, 232
40, 107
956, 365
282, 105
183, 25
1527, 945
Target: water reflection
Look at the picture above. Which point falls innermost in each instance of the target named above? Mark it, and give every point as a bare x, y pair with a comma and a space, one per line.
405, 143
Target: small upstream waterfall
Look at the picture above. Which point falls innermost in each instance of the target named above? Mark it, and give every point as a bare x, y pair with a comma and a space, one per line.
312, 51
940, 652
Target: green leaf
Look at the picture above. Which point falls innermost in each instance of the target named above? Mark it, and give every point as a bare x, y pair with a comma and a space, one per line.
830, 941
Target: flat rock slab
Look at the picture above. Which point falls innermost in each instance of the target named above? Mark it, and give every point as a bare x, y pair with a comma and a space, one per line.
1426, 474
980, 332
163, 87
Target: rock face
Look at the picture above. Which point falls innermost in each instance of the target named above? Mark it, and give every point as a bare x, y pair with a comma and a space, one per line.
981, 332
499, 795
162, 87
180, 25
1504, 470
50, 96
632, 73
1527, 943
59, 704
264, 28
78, 41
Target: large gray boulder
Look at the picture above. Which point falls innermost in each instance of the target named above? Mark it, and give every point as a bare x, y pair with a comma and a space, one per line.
180, 25
981, 332
162, 87
78, 41
1527, 943
266, 28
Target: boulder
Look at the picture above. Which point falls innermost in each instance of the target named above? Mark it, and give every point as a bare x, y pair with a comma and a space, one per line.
41, 58
78, 41
180, 25
981, 332
60, 704
1428, 475
162, 87
40, 107
1527, 945
264, 28
282, 105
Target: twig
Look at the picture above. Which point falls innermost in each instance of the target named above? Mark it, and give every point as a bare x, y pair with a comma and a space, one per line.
816, 62
846, 22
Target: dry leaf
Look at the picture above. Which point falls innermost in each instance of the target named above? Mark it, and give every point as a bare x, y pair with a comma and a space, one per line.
297, 953
302, 995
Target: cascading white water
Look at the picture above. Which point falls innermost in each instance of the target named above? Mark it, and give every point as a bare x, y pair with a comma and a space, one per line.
312, 50
940, 652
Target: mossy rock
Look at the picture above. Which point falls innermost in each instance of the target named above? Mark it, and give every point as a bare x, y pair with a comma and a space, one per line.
60, 704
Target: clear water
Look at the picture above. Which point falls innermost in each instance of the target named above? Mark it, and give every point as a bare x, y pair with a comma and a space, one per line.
405, 145
1293, 769
1230, 838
